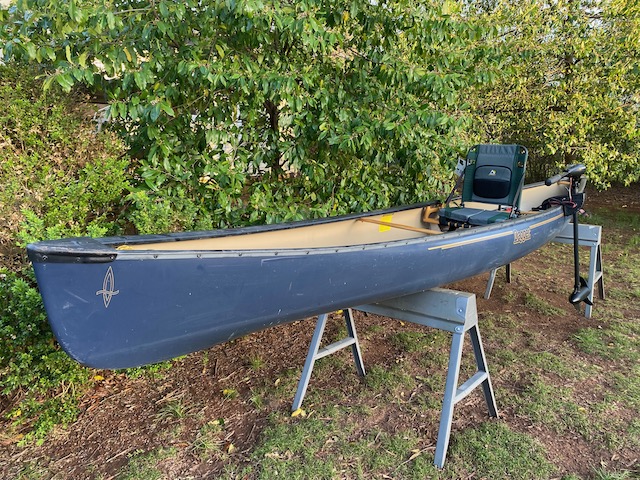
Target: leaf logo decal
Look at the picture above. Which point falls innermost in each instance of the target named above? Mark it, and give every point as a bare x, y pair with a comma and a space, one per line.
108, 285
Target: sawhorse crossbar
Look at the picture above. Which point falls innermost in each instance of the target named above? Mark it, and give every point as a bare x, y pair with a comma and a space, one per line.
447, 310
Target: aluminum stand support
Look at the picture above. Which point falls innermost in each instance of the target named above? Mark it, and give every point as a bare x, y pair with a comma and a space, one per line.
588, 236
315, 353
454, 312
492, 278
447, 310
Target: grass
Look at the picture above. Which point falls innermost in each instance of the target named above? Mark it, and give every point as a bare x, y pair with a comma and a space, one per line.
256, 362
547, 404
257, 399
410, 341
541, 306
208, 440
501, 329
371, 331
389, 381
384, 455
554, 363
624, 294
602, 474
633, 433
289, 449
144, 465
151, 372
326, 447
495, 451
32, 471
627, 386
619, 340
172, 410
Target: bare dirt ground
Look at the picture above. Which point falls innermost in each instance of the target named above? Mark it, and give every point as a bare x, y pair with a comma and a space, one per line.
121, 416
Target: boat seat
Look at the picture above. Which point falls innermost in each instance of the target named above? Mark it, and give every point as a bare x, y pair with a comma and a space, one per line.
494, 175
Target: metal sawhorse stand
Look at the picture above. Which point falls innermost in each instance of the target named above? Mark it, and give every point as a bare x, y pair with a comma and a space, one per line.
588, 236
448, 310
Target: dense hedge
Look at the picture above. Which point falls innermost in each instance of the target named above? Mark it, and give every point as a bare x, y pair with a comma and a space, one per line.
246, 112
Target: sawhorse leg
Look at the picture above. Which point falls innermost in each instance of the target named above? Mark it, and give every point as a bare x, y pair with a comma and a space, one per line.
453, 394
588, 236
315, 353
454, 312
492, 279
595, 276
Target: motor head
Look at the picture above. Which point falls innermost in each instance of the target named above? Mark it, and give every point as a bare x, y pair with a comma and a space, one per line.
574, 171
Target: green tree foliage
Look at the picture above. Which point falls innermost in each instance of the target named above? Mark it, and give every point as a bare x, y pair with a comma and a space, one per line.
571, 88
269, 110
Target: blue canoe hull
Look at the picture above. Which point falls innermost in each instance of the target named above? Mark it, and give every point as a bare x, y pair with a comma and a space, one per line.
117, 308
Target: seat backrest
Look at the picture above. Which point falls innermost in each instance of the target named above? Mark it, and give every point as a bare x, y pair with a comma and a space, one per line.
495, 174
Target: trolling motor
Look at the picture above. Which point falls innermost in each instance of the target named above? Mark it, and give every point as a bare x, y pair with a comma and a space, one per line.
581, 290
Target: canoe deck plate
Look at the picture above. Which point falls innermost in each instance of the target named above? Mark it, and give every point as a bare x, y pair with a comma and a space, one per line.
447, 310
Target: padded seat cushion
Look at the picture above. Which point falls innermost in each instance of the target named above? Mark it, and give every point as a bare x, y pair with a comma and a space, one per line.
492, 182
471, 216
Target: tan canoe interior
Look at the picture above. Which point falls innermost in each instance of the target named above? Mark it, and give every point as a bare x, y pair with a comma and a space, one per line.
401, 225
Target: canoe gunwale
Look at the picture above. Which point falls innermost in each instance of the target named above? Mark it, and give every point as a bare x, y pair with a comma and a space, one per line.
229, 232
87, 250
104, 250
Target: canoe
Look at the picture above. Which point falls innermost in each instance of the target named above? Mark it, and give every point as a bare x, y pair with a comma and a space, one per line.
127, 301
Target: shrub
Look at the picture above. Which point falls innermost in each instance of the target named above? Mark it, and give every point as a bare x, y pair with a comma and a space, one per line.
156, 214
31, 362
60, 177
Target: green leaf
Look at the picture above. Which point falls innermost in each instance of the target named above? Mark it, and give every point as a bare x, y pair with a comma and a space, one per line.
49, 53
77, 14
140, 80
65, 81
31, 50
166, 108
111, 20
46, 85
82, 59
154, 113
164, 10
